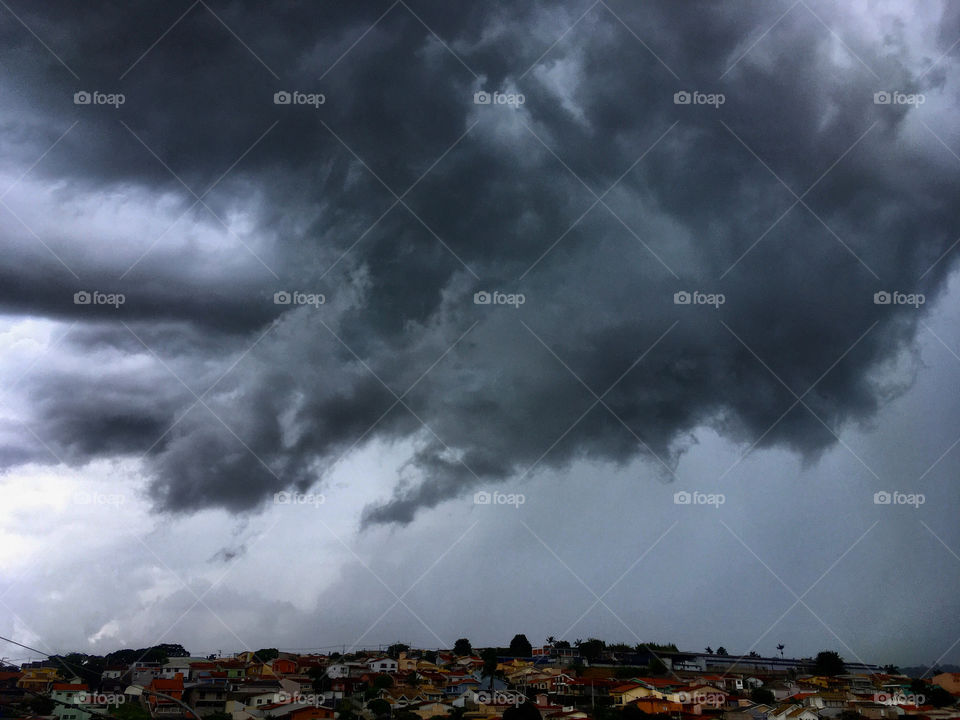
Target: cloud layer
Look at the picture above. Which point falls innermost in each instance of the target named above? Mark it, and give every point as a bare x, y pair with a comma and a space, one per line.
598, 198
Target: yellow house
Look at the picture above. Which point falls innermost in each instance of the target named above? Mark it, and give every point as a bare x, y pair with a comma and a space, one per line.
38, 679
629, 692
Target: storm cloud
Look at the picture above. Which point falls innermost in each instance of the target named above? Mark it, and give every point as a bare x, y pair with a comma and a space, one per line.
796, 194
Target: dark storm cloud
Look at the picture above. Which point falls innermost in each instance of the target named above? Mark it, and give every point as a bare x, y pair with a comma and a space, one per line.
708, 207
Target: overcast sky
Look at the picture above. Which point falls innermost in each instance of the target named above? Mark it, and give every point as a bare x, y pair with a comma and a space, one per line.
251, 389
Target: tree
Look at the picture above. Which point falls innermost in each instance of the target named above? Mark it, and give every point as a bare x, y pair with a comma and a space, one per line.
754, 654
592, 648
378, 707
780, 648
40, 705
265, 655
462, 647
346, 710
722, 651
938, 697
708, 650
382, 681
828, 662
562, 644
489, 657
891, 669
128, 711
397, 648
321, 682
762, 695
521, 647
551, 640
657, 667
524, 711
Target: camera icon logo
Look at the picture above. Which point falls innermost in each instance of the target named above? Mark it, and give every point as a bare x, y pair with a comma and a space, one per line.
481, 298
82, 98
681, 98
282, 97
481, 98
282, 297
881, 98
481, 498
82, 298
681, 298
681, 498
281, 498
881, 298
881, 498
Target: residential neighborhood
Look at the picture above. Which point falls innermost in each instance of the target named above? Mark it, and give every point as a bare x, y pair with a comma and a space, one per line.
556, 681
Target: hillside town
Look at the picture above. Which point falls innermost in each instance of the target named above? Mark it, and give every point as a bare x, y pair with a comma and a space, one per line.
557, 681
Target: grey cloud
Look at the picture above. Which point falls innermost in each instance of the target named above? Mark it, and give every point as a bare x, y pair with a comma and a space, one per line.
400, 297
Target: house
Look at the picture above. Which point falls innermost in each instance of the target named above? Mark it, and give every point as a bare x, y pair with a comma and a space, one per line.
38, 679
207, 697
283, 666
384, 665
68, 692
948, 681
702, 696
406, 664
427, 710
161, 706
653, 706
792, 712
877, 711
755, 711
141, 673
69, 698
9, 692
627, 693
825, 700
